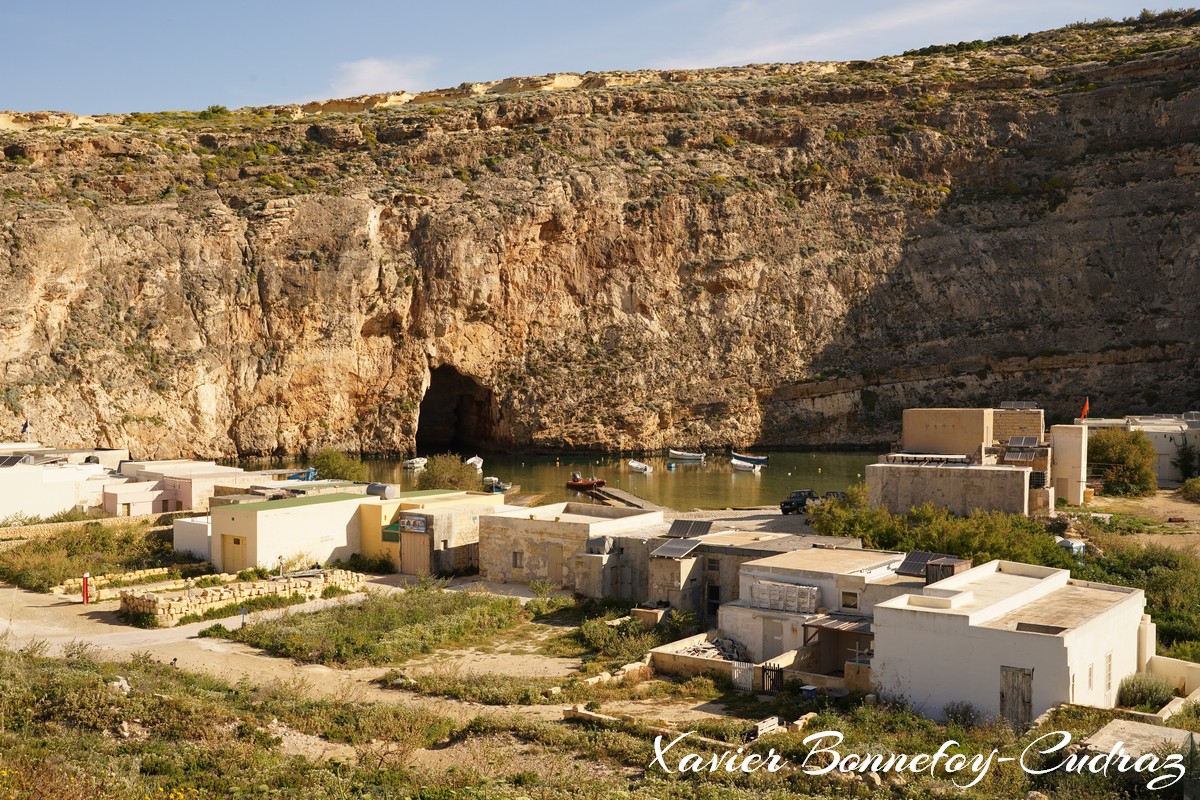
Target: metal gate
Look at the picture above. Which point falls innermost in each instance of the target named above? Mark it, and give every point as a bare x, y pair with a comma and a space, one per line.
772, 679
743, 676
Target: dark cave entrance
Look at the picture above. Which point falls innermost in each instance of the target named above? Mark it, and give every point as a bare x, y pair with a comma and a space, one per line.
457, 413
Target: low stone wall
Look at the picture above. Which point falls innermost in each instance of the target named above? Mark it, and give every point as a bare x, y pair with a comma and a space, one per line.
75, 585
168, 609
47, 529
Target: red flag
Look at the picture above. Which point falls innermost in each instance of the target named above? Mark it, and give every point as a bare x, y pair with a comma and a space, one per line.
1083, 414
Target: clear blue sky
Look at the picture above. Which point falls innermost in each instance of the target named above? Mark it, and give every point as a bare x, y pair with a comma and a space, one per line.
92, 57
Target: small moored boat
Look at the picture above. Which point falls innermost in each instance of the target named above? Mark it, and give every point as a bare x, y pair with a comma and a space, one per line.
580, 483
745, 466
638, 466
685, 456
416, 463
752, 459
495, 485
476, 462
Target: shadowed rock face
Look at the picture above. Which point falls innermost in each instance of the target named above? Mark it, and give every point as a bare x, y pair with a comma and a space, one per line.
780, 255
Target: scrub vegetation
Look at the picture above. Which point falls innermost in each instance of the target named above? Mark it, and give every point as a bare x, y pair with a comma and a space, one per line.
65, 733
1126, 459
335, 465
385, 628
448, 471
1169, 576
41, 564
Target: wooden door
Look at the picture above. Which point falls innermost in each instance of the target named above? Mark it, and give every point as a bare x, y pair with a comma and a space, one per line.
414, 552
233, 553
554, 565
772, 638
1016, 696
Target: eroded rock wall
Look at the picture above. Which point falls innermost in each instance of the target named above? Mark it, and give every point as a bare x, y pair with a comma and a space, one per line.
775, 255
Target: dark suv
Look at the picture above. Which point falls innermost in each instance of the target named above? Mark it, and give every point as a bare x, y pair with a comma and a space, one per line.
797, 501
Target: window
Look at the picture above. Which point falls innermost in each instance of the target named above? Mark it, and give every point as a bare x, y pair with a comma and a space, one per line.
445, 544
1091, 672
237, 541
518, 559
714, 565
1108, 672
850, 600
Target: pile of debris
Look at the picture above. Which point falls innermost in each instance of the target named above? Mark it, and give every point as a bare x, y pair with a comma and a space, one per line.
723, 649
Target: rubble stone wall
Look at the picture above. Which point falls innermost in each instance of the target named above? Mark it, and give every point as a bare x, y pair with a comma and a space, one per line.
168, 609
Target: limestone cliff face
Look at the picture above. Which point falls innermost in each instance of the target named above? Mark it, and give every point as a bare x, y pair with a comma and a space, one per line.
782, 255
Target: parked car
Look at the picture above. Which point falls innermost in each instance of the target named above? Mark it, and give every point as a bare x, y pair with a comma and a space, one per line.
831, 496
797, 501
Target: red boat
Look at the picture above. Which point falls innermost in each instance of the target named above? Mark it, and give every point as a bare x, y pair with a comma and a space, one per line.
579, 483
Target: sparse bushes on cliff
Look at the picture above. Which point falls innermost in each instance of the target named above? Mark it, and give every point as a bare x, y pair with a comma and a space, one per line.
334, 465
1126, 459
448, 471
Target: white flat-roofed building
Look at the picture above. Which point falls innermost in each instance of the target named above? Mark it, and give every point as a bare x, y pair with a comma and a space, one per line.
1012, 640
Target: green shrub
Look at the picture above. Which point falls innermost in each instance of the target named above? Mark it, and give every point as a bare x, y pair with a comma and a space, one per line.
1144, 692
335, 465
41, 564
1191, 490
329, 592
448, 471
263, 603
254, 574
370, 565
384, 628
215, 631
1126, 459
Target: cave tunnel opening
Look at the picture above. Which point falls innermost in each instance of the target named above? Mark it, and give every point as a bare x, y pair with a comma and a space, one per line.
458, 413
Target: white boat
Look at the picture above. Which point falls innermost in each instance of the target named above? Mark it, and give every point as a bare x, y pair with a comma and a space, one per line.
751, 459
683, 456
416, 463
638, 466
745, 466
476, 462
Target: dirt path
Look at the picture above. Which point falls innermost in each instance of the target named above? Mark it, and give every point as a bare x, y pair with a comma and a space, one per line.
1160, 507
57, 620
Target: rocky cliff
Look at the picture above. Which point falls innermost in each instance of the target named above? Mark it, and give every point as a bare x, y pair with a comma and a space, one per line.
778, 255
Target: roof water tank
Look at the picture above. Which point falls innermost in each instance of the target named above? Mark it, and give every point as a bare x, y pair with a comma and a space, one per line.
384, 491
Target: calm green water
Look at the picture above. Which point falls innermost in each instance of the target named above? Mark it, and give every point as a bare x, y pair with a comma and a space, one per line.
712, 484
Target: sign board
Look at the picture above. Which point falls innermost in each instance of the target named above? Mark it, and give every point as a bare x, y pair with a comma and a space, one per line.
412, 523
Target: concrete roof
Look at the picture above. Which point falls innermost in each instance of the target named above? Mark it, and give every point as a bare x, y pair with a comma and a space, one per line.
840, 561
1138, 738
295, 502
1064, 608
1006, 595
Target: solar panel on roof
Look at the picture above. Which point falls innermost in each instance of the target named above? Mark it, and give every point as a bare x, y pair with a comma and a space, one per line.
677, 548
9, 461
914, 563
685, 528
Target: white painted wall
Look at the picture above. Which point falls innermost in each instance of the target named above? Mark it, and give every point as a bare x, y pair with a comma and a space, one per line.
194, 535
744, 624
45, 490
932, 659
323, 531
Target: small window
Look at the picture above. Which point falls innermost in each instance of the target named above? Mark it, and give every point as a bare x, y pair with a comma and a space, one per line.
1091, 672
445, 544
850, 600
237, 541
714, 565
1108, 672
518, 559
